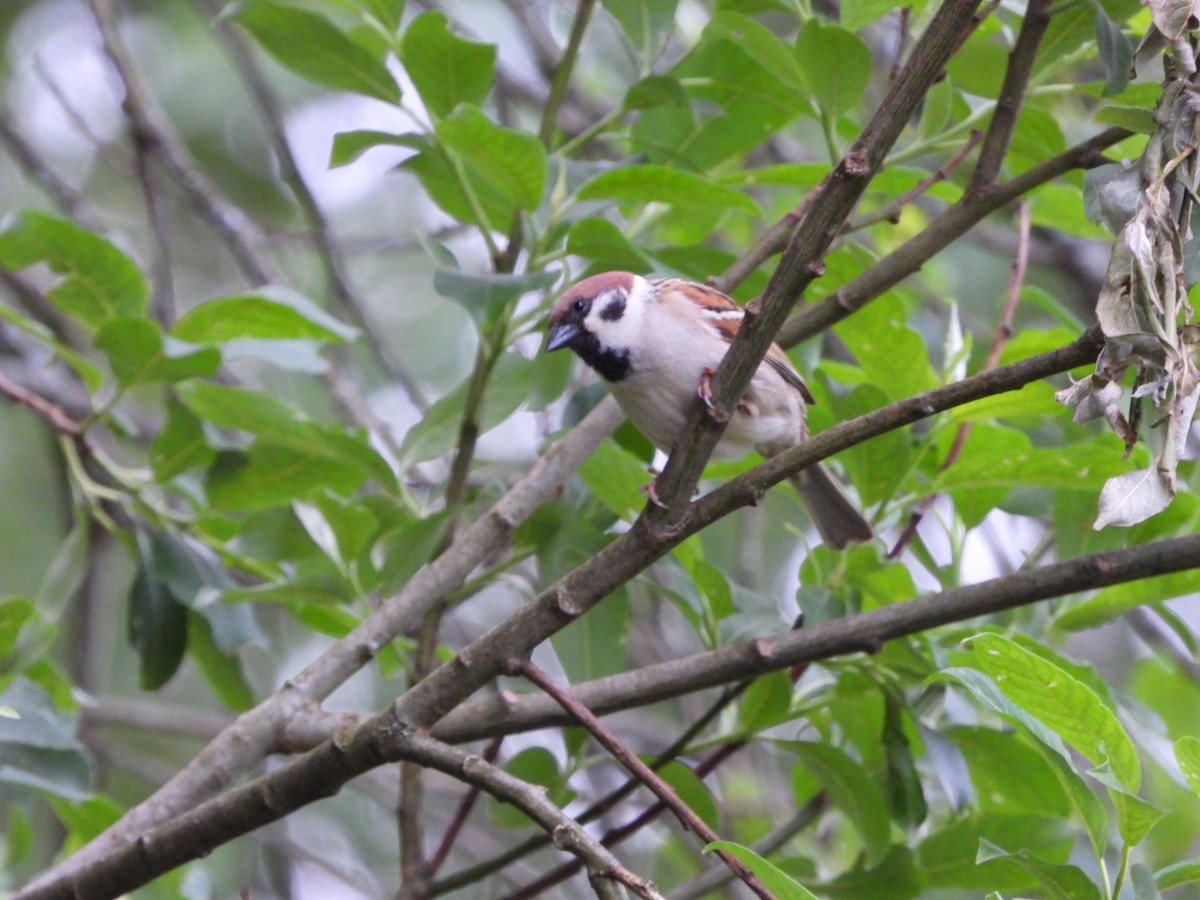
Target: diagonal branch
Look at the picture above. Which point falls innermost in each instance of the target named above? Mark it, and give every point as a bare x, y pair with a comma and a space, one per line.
322, 771
257, 732
800, 264
941, 232
1012, 93
663, 791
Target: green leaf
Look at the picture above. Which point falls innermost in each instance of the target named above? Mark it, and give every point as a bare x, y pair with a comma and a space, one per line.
1135, 817
875, 467
87, 372
1187, 754
158, 621
305, 591
891, 354
1066, 705
402, 550
535, 765
387, 13
1131, 118
614, 476
766, 702
1061, 882
38, 745
662, 184
485, 297
446, 69
180, 445
138, 354
1142, 880
312, 47
272, 314
221, 670
267, 475
510, 165
1186, 872
837, 64
1048, 744
1115, 50
646, 24
350, 145
99, 281
1009, 775
435, 434
593, 646
602, 241
692, 791
763, 47
774, 879
1110, 602
852, 790
14, 613
276, 423
856, 14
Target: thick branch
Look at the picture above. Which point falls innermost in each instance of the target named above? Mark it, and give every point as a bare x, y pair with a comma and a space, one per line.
257, 732
268, 798
322, 771
800, 264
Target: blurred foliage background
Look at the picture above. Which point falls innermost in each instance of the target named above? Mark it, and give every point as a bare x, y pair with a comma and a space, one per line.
283, 263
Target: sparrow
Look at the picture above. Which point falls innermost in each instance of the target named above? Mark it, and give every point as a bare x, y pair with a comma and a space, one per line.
658, 341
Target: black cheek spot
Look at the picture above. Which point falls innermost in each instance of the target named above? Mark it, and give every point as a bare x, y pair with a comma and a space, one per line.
614, 310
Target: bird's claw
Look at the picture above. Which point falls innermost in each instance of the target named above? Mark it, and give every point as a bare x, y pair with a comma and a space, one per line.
704, 388
649, 490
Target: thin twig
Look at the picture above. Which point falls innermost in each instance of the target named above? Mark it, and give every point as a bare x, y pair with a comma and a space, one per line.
1004, 331
319, 231
151, 125
460, 815
561, 79
1012, 93
600, 807
718, 876
890, 212
53, 414
686, 815
702, 769
39, 172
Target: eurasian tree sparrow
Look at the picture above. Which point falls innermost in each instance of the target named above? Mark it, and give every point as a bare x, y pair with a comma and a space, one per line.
658, 341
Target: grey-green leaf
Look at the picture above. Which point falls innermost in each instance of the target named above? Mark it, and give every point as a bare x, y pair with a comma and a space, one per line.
314, 48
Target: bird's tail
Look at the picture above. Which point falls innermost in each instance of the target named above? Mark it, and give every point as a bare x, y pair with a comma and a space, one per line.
836, 518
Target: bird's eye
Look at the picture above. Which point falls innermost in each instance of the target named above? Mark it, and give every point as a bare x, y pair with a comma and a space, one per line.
579, 305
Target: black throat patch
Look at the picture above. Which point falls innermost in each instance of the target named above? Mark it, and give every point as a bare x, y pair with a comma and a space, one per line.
611, 364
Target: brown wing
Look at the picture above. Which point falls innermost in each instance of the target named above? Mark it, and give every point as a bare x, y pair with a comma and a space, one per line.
724, 316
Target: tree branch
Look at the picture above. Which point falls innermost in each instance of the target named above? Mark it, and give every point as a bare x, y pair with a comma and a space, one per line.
1012, 93
150, 125
800, 264
321, 772
647, 776
941, 232
257, 732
